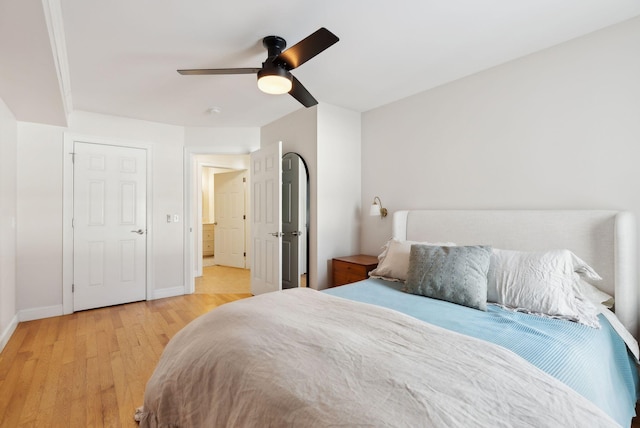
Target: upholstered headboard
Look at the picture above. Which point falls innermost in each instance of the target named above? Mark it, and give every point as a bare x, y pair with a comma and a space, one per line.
606, 240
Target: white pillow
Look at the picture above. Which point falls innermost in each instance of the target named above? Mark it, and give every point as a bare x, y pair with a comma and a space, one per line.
545, 283
594, 294
393, 262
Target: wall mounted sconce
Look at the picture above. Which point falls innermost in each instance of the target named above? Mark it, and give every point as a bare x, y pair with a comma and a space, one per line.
377, 209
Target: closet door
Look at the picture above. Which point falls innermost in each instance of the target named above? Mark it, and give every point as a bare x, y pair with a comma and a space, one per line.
109, 225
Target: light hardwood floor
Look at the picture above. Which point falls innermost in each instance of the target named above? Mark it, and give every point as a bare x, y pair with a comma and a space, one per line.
89, 369
223, 279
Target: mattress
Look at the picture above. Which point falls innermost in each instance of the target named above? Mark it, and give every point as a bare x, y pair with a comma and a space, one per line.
563, 349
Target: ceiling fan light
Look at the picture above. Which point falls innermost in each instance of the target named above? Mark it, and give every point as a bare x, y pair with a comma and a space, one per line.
274, 81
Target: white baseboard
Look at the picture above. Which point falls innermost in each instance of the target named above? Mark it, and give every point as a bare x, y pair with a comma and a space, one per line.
6, 334
39, 313
167, 292
57, 310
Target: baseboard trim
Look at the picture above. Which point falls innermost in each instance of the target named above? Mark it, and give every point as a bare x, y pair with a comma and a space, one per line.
167, 292
39, 313
8, 332
57, 310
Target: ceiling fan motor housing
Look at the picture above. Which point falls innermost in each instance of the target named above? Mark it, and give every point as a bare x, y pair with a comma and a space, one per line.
274, 45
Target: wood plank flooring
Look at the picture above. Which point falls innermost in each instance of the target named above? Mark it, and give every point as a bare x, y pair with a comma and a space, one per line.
223, 279
89, 369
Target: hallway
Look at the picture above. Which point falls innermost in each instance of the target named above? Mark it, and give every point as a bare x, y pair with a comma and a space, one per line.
223, 280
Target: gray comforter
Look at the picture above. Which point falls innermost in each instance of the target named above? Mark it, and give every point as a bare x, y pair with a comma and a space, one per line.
301, 358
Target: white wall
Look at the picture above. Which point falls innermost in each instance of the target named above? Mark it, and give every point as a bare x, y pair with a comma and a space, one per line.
167, 143
39, 225
339, 186
221, 141
559, 129
40, 205
328, 139
39, 263
208, 184
8, 209
298, 133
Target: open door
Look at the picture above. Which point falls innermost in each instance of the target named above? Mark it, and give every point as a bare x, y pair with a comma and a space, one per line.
266, 230
229, 235
290, 221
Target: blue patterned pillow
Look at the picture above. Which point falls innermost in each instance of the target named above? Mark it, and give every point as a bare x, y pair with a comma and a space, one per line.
454, 274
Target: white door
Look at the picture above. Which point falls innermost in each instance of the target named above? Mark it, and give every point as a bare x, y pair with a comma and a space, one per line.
109, 225
266, 229
230, 216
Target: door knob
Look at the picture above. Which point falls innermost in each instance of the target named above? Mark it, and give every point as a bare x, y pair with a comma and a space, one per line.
296, 233
139, 231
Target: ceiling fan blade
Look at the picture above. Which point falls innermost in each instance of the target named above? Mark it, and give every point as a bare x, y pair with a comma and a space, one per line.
306, 49
203, 71
301, 94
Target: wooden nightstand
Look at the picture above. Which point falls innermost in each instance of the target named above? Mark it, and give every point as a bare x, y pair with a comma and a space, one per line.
352, 268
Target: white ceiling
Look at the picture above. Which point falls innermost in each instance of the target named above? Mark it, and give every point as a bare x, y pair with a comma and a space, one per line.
122, 55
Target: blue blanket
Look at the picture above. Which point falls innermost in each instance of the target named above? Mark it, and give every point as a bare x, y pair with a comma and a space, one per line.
594, 362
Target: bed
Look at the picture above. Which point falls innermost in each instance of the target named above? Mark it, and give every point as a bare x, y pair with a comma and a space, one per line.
385, 352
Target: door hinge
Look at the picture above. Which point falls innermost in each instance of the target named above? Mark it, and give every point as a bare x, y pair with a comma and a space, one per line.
73, 157
244, 217
73, 288
244, 254
72, 222
244, 179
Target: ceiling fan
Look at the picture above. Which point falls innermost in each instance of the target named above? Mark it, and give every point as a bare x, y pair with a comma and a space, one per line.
274, 77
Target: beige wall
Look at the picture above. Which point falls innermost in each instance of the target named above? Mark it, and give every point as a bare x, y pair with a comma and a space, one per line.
559, 129
556, 129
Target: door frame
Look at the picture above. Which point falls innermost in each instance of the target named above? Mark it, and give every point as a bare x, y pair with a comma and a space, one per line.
193, 184
67, 211
197, 229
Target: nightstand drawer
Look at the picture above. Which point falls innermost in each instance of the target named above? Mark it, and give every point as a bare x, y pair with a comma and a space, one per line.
352, 268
